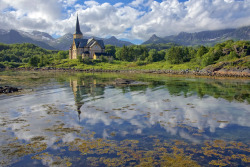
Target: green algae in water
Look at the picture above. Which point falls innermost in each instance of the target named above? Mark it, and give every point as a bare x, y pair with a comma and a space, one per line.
70, 125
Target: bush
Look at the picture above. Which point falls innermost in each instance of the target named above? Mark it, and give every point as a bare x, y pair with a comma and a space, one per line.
231, 56
87, 60
2, 65
175, 55
79, 58
140, 63
34, 60
207, 59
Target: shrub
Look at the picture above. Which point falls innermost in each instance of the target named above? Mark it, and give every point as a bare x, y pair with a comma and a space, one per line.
2, 65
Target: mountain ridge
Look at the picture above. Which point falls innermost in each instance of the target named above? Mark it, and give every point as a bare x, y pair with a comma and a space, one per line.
46, 41
203, 37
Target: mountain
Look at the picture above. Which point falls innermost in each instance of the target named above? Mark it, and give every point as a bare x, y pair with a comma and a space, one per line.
64, 42
116, 42
155, 40
46, 41
204, 37
13, 36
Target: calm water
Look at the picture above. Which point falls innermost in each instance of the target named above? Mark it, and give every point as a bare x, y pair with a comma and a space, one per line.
81, 119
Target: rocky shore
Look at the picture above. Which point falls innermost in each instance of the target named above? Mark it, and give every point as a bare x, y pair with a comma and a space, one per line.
8, 89
236, 72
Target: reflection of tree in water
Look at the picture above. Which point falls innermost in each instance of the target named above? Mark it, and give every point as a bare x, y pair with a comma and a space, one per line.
218, 89
85, 88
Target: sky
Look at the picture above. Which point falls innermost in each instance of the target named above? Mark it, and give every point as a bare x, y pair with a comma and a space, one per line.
132, 20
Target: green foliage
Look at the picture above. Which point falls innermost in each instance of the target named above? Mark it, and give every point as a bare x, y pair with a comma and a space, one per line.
207, 59
154, 56
103, 58
79, 58
175, 55
159, 46
87, 60
110, 49
62, 55
34, 60
2, 65
140, 63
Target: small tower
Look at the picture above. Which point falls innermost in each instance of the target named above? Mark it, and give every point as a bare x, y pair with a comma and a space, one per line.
78, 33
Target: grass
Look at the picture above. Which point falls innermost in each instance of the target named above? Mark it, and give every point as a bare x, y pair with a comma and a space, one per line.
162, 65
122, 65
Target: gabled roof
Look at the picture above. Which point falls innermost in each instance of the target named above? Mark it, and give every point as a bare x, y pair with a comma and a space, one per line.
80, 43
101, 43
91, 41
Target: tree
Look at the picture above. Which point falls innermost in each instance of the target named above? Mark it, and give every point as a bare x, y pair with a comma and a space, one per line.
110, 49
79, 58
201, 51
175, 55
34, 60
153, 55
103, 58
63, 54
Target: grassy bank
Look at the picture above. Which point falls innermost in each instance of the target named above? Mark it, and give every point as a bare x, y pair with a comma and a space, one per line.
240, 63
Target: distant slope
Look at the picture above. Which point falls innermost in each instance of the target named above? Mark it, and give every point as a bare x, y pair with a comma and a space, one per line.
204, 37
46, 41
13, 36
65, 41
62, 43
116, 42
155, 40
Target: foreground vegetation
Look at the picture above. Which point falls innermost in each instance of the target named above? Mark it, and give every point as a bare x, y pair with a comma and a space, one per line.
160, 56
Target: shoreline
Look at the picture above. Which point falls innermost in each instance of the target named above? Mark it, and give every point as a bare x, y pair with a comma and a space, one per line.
245, 73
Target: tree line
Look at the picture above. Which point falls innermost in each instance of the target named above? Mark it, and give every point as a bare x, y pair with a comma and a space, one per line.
201, 55
15, 55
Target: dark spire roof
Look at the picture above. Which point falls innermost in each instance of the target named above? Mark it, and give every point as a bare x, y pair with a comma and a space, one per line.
78, 31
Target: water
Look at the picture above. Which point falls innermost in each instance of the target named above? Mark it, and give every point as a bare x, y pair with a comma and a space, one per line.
81, 119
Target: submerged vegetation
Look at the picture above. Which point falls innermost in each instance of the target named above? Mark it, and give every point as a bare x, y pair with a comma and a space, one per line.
160, 56
54, 133
94, 151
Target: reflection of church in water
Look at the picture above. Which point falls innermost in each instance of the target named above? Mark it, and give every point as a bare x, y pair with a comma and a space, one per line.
86, 89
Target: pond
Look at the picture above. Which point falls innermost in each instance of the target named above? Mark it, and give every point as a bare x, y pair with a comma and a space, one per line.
86, 119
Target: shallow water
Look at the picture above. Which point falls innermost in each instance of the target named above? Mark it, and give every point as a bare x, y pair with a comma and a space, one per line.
79, 119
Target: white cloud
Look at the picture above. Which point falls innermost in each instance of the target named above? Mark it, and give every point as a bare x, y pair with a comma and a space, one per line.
119, 4
91, 3
171, 17
136, 20
136, 3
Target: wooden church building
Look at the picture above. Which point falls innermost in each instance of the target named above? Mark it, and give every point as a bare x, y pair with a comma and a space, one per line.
91, 48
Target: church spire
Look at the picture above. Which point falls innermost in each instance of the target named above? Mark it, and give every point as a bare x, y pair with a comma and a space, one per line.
78, 31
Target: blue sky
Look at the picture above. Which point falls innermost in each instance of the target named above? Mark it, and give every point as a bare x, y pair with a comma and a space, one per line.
132, 20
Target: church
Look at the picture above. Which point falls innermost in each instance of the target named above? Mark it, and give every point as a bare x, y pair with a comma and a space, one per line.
90, 48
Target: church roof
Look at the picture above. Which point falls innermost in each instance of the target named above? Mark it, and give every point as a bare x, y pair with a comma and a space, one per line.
101, 43
81, 43
78, 31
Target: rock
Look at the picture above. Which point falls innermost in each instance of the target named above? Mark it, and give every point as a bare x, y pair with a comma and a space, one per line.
8, 89
120, 81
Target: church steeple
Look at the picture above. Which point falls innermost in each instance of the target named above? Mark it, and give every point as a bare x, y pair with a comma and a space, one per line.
78, 33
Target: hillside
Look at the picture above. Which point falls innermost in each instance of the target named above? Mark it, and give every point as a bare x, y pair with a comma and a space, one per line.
46, 41
223, 57
208, 38
13, 36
